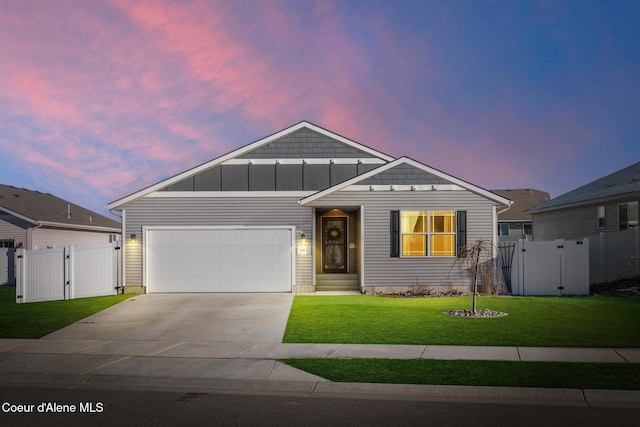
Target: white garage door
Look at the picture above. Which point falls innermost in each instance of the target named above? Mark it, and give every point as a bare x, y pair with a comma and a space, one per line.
219, 260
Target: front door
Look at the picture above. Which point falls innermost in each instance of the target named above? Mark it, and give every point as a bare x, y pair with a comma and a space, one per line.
334, 245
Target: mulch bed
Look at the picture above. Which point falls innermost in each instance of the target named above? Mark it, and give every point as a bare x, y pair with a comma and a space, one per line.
627, 288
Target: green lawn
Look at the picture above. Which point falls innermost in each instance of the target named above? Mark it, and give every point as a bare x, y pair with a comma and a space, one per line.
596, 321
37, 319
616, 376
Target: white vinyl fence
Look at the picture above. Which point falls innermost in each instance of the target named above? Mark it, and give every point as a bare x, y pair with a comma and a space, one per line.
556, 267
614, 256
67, 272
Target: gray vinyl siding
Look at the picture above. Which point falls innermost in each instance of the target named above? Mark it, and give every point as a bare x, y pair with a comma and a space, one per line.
577, 222
305, 144
56, 237
14, 228
383, 270
213, 211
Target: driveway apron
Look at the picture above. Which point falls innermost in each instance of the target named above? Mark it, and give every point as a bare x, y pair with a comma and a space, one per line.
246, 318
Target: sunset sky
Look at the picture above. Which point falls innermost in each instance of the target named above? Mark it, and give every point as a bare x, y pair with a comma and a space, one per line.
99, 99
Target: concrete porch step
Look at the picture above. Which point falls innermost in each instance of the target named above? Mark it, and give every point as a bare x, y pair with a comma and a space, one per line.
337, 282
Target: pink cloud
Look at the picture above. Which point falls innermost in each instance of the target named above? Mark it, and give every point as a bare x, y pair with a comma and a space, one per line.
120, 94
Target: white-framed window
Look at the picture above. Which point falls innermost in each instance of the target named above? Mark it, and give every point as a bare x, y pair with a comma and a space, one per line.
628, 217
503, 229
602, 220
428, 233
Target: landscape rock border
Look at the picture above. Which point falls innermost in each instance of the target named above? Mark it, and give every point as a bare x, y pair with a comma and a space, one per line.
479, 314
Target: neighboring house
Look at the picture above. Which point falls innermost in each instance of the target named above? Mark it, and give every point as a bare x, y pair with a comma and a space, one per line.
513, 223
302, 210
605, 205
34, 220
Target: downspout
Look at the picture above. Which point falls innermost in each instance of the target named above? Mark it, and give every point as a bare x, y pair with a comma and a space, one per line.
30, 245
507, 208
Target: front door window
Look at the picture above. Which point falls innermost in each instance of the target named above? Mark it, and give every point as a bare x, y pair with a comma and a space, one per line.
334, 245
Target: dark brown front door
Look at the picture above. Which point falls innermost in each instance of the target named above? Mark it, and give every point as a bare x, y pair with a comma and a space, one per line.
334, 245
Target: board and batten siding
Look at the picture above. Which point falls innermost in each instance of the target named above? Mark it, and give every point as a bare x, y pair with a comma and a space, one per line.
382, 270
212, 211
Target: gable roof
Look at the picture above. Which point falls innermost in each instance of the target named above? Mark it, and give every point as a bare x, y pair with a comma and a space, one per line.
47, 210
407, 161
523, 199
256, 148
623, 183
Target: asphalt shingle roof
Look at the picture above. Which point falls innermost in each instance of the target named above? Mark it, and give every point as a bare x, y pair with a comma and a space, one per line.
522, 199
44, 207
621, 183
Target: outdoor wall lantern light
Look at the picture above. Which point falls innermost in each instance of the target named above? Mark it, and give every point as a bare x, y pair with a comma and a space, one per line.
302, 248
134, 237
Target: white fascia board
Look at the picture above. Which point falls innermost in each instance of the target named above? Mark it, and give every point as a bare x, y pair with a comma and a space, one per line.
311, 161
421, 187
240, 151
597, 201
17, 215
405, 160
227, 194
79, 227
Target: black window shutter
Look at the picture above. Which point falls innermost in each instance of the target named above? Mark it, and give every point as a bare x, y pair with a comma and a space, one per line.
461, 229
395, 233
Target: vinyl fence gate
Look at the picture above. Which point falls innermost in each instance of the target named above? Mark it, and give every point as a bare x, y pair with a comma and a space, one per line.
67, 272
551, 268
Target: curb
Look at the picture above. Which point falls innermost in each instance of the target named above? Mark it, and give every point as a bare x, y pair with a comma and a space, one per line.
312, 389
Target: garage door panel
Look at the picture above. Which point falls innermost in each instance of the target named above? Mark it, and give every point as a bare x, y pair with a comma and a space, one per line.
219, 260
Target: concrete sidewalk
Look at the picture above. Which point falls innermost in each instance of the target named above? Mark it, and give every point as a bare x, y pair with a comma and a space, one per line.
234, 367
241, 350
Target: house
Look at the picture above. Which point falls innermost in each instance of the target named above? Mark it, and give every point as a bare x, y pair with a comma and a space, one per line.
608, 204
34, 220
513, 223
302, 210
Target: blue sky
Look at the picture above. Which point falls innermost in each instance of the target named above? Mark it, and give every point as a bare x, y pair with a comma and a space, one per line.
99, 99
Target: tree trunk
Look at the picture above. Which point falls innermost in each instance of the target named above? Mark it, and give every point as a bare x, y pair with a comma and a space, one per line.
476, 268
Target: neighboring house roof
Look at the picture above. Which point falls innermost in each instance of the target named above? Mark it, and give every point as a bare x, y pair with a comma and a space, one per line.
43, 209
621, 184
256, 150
430, 176
523, 199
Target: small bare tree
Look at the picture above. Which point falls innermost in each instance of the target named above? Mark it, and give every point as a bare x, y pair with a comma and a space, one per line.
478, 257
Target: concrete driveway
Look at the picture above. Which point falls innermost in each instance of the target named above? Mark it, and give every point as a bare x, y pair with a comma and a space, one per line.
247, 318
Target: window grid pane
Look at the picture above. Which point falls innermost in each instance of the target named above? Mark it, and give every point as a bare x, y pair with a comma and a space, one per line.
414, 222
435, 239
442, 245
443, 222
414, 245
